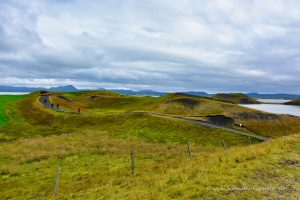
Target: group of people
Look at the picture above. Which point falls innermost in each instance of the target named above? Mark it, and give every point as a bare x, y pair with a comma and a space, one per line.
57, 106
52, 106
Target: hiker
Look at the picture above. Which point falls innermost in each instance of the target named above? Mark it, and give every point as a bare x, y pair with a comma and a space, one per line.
52, 105
78, 110
57, 106
45, 100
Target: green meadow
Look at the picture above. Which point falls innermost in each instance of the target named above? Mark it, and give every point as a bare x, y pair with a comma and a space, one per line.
4, 101
93, 147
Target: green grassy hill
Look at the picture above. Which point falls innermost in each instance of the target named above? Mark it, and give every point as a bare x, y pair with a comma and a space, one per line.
237, 98
270, 125
93, 149
295, 102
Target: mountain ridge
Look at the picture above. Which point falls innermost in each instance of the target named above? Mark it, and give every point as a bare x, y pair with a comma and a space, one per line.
66, 88
71, 88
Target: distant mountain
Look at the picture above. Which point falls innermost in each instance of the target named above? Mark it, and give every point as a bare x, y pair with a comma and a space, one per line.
71, 88
4, 88
273, 96
67, 88
195, 93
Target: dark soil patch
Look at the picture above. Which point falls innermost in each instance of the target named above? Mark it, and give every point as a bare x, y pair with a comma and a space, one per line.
43, 92
289, 162
257, 116
220, 119
64, 98
93, 97
188, 102
247, 101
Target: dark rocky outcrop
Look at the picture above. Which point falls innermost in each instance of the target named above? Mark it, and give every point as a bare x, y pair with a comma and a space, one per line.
220, 120
64, 98
188, 102
93, 97
257, 116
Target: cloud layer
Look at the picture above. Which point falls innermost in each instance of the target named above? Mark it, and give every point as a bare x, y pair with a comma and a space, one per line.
166, 45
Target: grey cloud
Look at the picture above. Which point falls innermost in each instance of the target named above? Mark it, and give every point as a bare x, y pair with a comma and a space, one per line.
164, 45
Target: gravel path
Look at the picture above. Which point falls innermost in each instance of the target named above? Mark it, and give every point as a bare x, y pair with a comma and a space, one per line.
45, 100
207, 124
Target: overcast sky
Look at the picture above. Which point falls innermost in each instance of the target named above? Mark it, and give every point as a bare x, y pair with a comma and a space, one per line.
165, 45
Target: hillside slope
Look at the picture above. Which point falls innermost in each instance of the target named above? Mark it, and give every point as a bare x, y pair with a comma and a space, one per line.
93, 147
237, 98
110, 103
295, 102
95, 165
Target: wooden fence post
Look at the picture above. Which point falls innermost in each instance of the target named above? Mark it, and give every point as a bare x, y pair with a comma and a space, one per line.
224, 145
57, 181
249, 139
132, 162
189, 149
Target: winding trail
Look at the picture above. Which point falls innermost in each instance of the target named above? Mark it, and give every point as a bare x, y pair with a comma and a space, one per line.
207, 124
45, 100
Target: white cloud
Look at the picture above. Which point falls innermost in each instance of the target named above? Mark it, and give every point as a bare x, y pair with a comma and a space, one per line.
251, 72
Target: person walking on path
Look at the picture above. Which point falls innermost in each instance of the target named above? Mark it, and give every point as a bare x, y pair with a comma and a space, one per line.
78, 110
57, 106
52, 105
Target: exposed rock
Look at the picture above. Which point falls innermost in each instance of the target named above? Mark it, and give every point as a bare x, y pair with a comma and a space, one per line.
257, 116
93, 97
43, 92
64, 98
188, 102
290, 162
220, 119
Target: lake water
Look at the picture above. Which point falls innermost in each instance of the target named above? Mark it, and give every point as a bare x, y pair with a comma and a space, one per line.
273, 100
13, 93
275, 108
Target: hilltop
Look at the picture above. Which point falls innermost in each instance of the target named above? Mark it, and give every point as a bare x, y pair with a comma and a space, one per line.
237, 98
295, 102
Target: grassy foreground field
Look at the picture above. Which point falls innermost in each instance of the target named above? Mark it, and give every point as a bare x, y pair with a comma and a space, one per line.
97, 166
93, 150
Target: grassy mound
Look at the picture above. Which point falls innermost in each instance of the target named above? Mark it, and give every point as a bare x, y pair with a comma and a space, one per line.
295, 102
109, 111
38, 120
236, 98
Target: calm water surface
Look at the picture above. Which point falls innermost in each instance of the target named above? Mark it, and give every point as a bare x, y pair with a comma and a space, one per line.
275, 108
13, 93
273, 100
